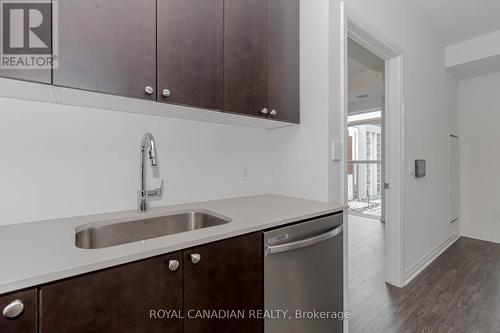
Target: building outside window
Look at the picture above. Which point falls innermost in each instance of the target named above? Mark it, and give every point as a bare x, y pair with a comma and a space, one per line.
368, 166
364, 167
379, 166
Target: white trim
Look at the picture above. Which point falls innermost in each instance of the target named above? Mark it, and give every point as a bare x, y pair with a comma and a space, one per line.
417, 268
481, 235
343, 180
394, 148
361, 31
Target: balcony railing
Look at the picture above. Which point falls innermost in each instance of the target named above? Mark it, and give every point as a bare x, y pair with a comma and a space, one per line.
365, 188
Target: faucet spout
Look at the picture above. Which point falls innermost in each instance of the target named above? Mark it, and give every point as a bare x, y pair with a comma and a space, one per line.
148, 152
152, 150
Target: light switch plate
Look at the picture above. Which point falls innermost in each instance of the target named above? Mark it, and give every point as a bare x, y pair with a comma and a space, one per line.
337, 151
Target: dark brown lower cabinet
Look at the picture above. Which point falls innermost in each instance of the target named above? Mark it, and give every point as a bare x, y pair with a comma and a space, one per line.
115, 300
227, 278
26, 322
210, 285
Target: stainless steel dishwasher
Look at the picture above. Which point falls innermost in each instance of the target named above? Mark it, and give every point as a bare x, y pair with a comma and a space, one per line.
303, 275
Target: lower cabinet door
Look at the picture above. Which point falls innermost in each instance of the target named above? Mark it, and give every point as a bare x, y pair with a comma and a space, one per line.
132, 298
19, 312
223, 286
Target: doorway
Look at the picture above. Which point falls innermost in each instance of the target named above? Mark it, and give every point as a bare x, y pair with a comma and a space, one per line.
360, 31
365, 181
365, 133
391, 268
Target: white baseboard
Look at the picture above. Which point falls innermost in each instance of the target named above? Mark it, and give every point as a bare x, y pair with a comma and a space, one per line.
485, 236
413, 271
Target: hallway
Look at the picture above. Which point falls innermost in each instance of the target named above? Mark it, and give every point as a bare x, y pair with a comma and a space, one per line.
458, 292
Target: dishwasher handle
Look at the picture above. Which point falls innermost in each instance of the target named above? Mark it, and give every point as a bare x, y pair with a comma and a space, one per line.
304, 242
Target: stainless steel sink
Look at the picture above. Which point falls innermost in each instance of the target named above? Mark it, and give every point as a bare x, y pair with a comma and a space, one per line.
98, 236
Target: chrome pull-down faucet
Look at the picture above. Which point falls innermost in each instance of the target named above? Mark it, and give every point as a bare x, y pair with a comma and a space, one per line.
148, 146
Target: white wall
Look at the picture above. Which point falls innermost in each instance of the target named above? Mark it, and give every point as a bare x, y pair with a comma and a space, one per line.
430, 113
77, 161
479, 158
300, 155
59, 161
70, 161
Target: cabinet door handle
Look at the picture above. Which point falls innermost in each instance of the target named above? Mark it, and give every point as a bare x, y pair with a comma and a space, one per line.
166, 93
13, 309
195, 258
149, 90
173, 265
273, 112
264, 111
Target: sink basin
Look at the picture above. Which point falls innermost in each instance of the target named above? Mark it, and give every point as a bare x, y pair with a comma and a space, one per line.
98, 236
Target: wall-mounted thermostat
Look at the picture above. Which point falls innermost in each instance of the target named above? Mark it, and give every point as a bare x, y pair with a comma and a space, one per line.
420, 168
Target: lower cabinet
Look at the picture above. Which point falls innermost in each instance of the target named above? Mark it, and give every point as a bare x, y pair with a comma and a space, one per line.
191, 291
115, 300
19, 312
224, 279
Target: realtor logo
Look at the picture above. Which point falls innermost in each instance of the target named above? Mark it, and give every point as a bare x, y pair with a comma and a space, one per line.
27, 34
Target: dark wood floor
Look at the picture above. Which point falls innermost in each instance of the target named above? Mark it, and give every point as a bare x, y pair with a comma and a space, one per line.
458, 292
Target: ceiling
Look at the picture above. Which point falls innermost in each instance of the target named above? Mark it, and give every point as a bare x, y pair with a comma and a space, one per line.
362, 60
366, 78
459, 20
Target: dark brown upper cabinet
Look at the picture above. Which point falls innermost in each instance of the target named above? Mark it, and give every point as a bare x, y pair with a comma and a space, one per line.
261, 56
26, 321
33, 75
245, 52
226, 275
44, 48
237, 56
115, 300
108, 46
190, 52
283, 60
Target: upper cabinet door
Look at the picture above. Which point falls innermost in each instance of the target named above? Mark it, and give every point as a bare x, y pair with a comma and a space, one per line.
24, 47
108, 46
190, 52
34, 75
283, 60
245, 56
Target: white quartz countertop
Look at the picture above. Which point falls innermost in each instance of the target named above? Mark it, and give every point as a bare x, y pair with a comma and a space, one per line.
39, 252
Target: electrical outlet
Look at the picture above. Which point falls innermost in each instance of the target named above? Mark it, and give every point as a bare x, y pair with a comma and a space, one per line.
437, 223
496, 216
245, 175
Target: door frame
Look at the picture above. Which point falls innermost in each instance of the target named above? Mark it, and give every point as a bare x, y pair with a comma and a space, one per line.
368, 36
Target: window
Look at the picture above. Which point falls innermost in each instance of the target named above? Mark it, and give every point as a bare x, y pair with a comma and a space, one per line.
379, 179
379, 166
368, 145
368, 179
379, 147
364, 154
